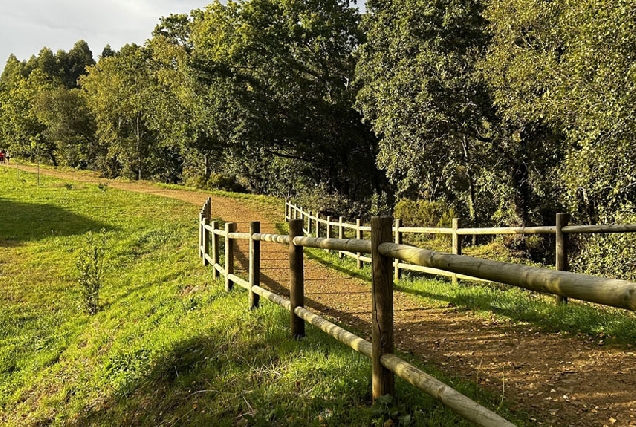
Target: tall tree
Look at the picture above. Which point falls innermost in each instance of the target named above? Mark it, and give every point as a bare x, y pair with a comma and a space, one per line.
424, 98
117, 92
569, 67
280, 73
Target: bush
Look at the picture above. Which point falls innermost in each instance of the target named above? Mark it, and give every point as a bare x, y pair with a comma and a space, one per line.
424, 213
90, 266
608, 255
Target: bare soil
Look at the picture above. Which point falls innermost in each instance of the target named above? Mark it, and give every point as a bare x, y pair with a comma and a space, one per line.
557, 380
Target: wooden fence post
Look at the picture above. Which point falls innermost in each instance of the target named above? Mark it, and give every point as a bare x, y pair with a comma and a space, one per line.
328, 235
201, 233
561, 262
310, 226
397, 274
230, 227
206, 240
255, 265
457, 244
359, 237
340, 234
317, 224
296, 286
215, 249
383, 381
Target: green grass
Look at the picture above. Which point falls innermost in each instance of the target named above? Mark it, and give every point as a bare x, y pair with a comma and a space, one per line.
169, 346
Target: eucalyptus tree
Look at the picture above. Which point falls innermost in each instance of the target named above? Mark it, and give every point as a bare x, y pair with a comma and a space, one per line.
73, 64
21, 127
36, 117
117, 91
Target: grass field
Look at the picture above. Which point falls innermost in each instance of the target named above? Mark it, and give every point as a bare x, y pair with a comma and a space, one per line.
168, 345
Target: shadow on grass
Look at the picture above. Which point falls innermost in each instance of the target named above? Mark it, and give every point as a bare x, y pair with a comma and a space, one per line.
25, 222
218, 380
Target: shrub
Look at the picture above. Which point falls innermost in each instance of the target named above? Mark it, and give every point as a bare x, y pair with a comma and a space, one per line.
90, 266
424, 213
608, 255
319, 199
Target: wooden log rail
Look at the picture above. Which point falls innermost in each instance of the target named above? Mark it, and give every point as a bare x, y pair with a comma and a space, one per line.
562, 229
385, 364
601, 290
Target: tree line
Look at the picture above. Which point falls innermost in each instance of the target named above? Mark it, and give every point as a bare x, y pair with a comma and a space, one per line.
507, 111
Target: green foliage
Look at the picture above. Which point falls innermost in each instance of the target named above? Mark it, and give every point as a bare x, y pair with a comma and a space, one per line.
275, 76
421, 93
607, 255
90, 260
36, 104
424, 213
319, 200
117, 91
545, 70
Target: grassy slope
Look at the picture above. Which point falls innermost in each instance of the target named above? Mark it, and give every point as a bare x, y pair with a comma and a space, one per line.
169, 347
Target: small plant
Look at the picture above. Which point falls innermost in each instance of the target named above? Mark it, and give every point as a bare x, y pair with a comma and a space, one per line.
68, 186
89, 266
102, 186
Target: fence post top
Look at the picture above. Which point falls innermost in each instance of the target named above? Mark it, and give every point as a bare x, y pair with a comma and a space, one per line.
382, 218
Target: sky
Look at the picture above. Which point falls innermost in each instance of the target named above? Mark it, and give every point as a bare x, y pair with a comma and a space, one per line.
26, 26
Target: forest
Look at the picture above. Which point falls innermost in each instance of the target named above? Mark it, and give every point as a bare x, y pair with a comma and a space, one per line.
501, 112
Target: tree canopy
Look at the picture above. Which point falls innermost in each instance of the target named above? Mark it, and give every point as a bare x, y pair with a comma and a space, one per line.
507, 111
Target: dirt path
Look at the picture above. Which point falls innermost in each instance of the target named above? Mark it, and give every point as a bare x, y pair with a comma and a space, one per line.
557, 380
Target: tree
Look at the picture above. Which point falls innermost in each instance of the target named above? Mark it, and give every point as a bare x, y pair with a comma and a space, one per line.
70, 126
74, 63
39, 114
278, 75
117, 92
20, 124
546, 68
424, 98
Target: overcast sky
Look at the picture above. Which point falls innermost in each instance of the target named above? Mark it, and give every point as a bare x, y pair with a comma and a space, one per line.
26, 26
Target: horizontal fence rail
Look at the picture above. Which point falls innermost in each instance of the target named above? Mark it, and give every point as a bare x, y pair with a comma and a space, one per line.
385, 364
561, 230
611, 292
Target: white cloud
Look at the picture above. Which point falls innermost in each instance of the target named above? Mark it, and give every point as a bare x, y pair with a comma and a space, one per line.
27, 26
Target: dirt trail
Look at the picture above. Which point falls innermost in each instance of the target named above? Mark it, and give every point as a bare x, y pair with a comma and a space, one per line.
557, 380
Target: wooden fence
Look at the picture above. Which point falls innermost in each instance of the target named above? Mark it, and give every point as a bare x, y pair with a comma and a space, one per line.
384, 252
325, 226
